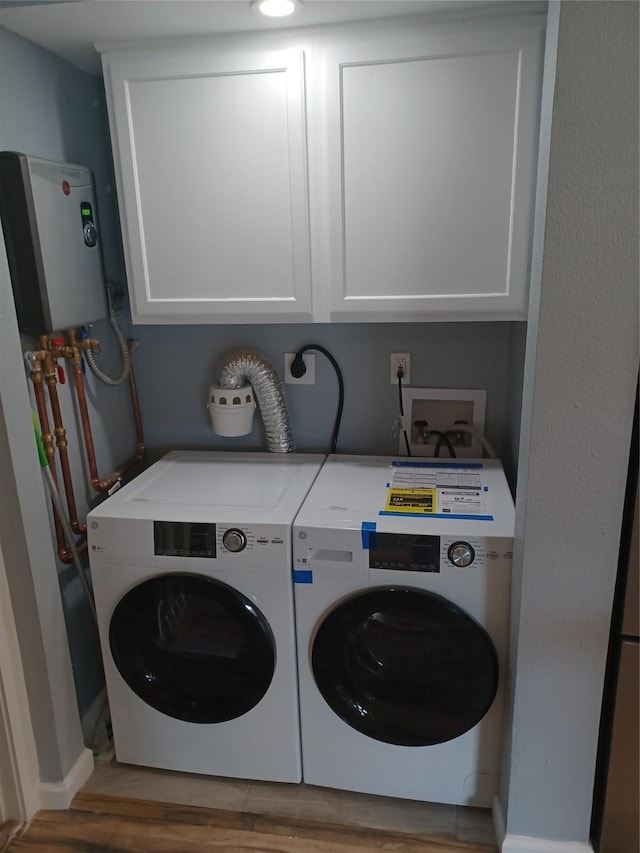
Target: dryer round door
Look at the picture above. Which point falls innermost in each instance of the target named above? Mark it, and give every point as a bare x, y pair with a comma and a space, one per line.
193, 647
405, 666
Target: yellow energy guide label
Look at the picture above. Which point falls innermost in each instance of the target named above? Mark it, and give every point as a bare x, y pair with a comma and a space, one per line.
411, 500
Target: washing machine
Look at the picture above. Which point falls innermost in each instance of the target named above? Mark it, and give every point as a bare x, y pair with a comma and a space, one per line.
191, 570
402, 575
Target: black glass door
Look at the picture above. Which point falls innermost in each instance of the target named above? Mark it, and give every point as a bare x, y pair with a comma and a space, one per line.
193, 647
405, 666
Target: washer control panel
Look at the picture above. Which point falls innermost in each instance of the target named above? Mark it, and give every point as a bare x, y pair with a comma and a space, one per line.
234, 540
475, 553
461, 554
417, 553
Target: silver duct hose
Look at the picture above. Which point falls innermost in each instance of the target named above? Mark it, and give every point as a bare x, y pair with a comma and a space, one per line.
248, 366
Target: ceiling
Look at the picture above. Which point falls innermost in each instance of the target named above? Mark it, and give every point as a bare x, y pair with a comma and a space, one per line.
70, 28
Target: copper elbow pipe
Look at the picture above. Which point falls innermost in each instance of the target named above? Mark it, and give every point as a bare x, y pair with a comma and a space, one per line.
65, 555
106, 484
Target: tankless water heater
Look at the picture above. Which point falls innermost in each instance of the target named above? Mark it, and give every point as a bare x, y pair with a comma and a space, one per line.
49, 220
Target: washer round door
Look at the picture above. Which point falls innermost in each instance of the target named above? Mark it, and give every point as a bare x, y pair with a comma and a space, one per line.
193, 647
405, 666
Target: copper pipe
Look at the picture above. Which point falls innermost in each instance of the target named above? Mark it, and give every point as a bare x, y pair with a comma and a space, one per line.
61, 443
106, 484
51, 354
47, 441
41, 406
65, 554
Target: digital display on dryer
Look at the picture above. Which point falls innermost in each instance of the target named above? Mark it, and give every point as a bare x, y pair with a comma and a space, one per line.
184, 539
404, 552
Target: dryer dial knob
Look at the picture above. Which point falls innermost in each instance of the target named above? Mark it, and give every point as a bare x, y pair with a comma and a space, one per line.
461, 554
234, 540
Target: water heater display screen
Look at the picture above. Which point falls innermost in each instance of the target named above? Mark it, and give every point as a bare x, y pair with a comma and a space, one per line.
184, 539
404, 552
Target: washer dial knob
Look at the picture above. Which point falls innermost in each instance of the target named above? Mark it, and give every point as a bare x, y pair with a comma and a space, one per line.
234, 540
461, 554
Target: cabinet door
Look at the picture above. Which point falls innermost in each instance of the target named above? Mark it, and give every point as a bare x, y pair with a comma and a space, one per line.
210, 159
431, 156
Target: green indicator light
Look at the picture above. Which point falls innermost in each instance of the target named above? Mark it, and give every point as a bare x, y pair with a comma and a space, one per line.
86, 211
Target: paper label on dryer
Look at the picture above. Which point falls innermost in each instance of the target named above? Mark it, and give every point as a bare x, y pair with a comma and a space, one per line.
463, 502
436, 489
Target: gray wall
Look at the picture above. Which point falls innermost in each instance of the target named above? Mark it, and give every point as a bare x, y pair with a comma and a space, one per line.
577, 423
49, 109
176, 364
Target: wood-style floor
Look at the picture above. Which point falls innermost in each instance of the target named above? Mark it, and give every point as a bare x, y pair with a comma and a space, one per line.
98, 823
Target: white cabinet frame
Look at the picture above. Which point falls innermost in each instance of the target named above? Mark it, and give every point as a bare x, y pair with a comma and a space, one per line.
360, 73
261, 272
342, 231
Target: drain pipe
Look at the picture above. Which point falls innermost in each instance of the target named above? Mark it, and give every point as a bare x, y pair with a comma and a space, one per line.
244, 367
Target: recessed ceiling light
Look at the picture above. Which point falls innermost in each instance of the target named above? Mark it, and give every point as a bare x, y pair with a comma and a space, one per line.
276, 8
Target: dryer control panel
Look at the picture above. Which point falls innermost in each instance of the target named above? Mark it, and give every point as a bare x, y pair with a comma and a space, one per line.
207, 539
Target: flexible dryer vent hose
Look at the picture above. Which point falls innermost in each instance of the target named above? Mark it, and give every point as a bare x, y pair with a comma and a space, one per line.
248, 366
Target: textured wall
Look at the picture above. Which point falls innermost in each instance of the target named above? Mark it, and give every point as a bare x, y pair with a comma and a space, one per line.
35, 597
580, 397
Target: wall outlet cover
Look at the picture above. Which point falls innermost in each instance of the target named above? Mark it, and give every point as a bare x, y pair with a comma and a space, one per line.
401, 359
309, 377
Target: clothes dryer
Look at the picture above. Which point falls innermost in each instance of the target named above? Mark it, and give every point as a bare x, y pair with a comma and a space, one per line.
402, 576
191, 568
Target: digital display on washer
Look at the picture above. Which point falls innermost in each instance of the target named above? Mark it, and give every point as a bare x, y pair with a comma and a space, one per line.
184, 539
404, 552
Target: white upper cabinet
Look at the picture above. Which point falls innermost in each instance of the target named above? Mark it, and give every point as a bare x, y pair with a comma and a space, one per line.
210, 156
375, 173
431, 167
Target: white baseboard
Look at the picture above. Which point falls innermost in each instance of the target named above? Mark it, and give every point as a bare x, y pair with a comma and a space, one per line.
528, 844
58, 795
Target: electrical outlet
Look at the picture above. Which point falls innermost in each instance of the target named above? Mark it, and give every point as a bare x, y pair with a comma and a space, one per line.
400, 359
431, 411
309, 377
